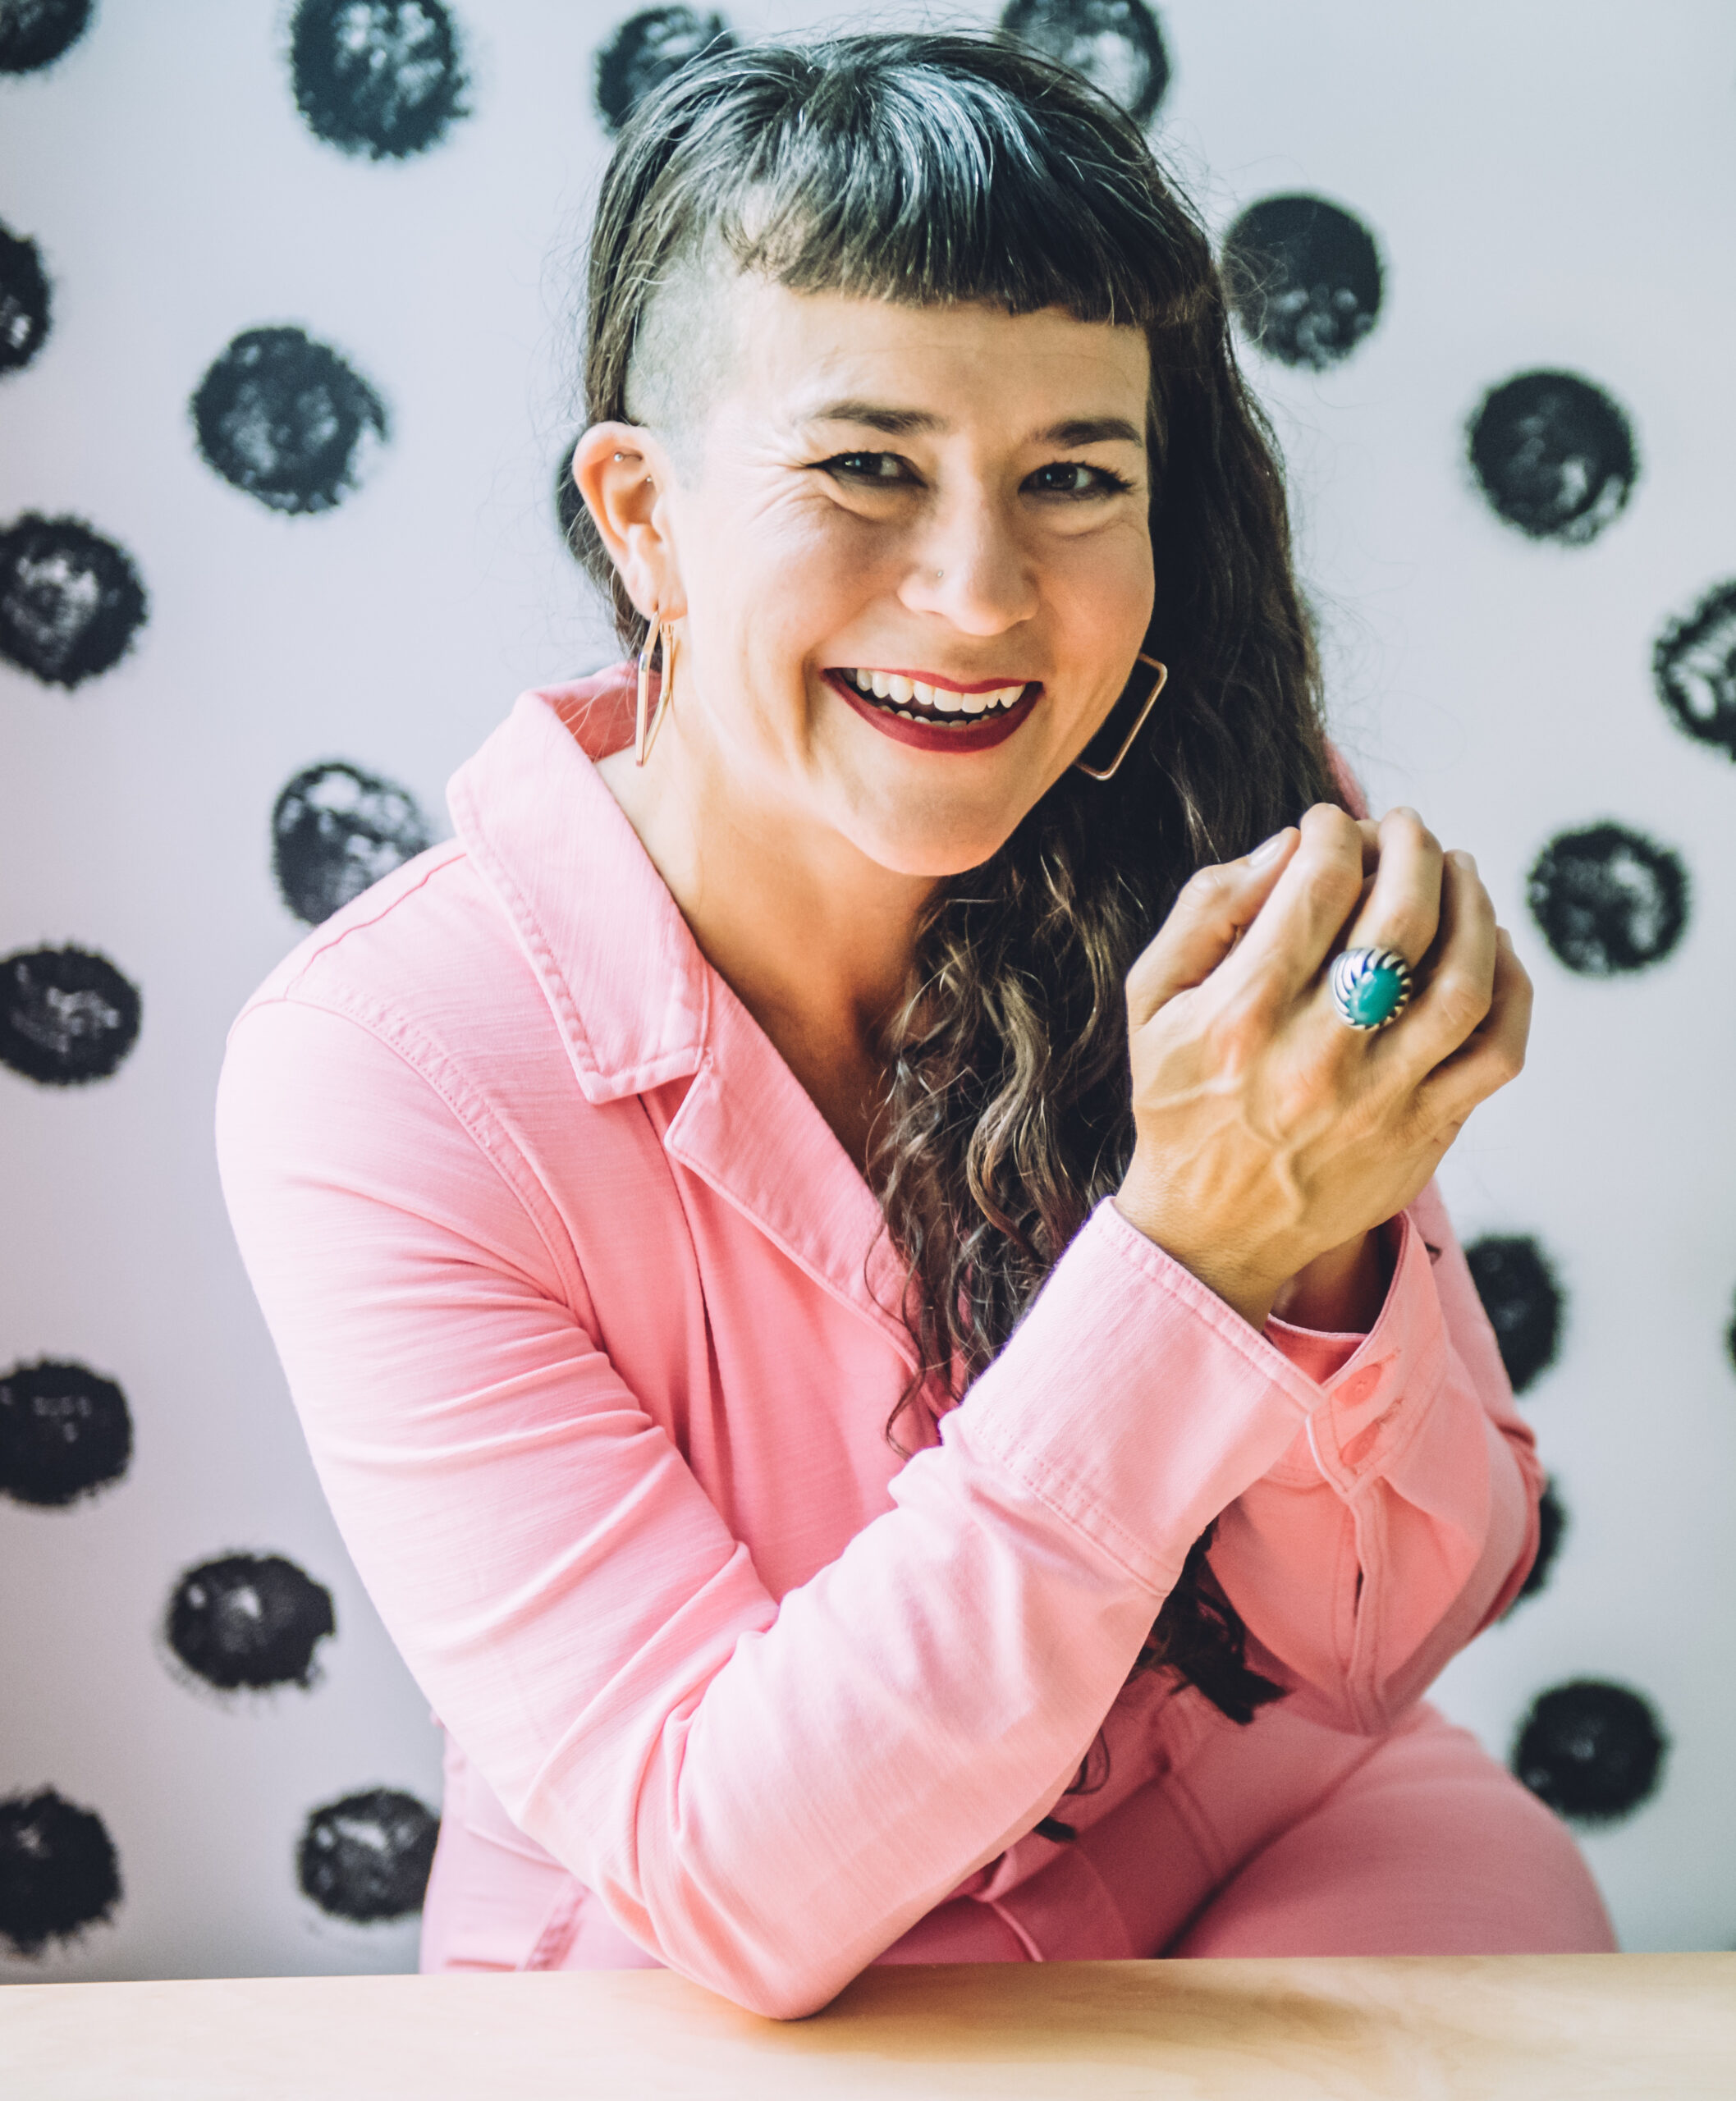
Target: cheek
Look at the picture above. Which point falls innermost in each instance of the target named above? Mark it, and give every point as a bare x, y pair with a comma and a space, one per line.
1105, 586
780, 578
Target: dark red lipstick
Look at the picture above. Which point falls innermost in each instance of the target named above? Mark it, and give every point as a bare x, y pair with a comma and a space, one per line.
933, 733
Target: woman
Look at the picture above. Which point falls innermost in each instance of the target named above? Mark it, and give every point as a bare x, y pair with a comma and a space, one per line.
879, 1441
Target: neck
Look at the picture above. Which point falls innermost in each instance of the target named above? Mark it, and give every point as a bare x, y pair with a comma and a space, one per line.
813, 937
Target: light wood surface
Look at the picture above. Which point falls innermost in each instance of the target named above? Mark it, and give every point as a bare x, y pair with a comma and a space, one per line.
1488, 2027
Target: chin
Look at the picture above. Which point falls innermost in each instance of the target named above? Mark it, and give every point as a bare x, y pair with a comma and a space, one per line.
932, 851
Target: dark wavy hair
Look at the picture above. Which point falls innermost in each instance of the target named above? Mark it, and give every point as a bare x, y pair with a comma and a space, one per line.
928, 169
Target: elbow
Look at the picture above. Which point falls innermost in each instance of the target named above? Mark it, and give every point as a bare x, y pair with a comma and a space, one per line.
787, 1989
771, 1968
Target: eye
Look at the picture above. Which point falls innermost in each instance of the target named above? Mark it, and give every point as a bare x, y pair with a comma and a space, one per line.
1072, 478
885, 469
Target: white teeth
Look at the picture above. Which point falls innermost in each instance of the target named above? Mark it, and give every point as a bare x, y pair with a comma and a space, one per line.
905, 715
944, 701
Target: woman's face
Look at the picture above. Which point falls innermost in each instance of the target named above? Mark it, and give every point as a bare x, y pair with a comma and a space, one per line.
909, 552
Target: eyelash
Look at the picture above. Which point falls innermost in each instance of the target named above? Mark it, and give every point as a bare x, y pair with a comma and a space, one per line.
1108, 482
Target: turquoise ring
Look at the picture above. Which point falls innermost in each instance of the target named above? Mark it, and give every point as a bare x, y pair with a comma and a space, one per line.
1370, 987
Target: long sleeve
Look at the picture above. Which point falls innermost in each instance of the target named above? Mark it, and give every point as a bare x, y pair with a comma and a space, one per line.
764, 1792
1404, 1518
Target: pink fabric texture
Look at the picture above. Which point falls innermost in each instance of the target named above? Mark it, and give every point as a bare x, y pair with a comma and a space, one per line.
590, 1323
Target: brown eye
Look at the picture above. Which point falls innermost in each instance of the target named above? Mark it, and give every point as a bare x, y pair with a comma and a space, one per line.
883, 467
1073, 477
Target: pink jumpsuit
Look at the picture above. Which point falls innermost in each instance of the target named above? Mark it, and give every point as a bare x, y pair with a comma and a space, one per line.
587, 1316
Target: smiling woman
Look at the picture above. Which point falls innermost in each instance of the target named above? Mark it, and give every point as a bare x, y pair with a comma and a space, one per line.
889, 1359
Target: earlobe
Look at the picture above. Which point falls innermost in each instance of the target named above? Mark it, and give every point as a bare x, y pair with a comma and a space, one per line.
618, 470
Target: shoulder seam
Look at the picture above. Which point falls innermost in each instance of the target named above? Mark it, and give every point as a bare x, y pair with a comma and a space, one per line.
425, 1058
453, 849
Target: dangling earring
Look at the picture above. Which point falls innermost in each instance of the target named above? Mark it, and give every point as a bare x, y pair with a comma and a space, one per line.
1106, 772
646, 724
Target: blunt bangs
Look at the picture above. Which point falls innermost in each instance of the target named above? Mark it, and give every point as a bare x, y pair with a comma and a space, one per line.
922, 170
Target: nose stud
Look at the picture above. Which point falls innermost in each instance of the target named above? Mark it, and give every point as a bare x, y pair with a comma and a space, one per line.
938, 575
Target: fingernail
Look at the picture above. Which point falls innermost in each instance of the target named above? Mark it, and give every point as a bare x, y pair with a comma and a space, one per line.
1269, 850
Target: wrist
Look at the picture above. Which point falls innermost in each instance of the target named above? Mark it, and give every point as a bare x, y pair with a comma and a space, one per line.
1242, 1289
1342, 1291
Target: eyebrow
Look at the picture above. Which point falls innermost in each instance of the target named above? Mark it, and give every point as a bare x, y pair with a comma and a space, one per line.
907, 422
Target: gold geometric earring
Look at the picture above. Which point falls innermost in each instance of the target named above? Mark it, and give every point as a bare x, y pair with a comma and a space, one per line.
647, 725
1107, 772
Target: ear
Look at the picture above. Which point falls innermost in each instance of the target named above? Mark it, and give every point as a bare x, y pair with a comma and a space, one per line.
624, 475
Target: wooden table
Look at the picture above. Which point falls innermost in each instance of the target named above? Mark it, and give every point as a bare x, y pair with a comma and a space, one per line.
1487, 2027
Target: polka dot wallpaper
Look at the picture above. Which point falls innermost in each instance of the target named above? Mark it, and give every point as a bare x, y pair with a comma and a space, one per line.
287, 295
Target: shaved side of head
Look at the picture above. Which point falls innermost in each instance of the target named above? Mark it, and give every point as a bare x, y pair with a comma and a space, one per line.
683, 354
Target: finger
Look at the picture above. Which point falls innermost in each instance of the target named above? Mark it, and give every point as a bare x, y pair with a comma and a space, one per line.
1402, 910
1302, 919
1494, 1053
1216, 907
1459, 986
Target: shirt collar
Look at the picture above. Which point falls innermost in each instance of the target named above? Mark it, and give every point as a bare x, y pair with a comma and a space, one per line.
628, 987
636, 1003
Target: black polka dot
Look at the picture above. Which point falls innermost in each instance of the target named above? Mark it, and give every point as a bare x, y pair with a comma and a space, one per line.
71, 600
1608, 899
367, 1857
1116, 44
1555, 456
570, 511
1552, 1525
648, 49
1522, 1296
1593, 1752
285, 419
58, 1872
24, 300
1694, 669
64, 1432
34, 33
335, 830
67, 1016
381, 78
249, 1620
1304, 277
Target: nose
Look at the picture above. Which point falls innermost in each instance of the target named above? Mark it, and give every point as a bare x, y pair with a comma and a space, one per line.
969, 567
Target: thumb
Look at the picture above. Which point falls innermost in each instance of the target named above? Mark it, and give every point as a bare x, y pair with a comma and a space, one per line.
1216, 905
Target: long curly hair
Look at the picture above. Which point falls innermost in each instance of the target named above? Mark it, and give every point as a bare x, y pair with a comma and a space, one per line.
928, 169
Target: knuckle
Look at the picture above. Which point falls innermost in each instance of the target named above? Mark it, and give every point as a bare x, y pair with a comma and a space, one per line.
1206, 887
1331, 887
1508, 1060
1461, 1000
1334, 828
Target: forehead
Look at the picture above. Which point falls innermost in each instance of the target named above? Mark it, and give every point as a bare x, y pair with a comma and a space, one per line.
800, 355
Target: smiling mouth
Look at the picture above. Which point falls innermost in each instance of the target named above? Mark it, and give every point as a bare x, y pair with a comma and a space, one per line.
919, 700
932, 715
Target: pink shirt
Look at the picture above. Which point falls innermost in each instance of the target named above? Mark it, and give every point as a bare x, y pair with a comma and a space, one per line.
585, 1312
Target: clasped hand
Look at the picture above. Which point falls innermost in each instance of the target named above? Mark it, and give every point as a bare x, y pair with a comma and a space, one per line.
1271, 1137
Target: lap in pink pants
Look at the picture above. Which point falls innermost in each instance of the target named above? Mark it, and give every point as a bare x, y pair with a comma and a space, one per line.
1290, 1838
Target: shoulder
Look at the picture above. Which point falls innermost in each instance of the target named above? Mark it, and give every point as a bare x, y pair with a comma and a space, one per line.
425, 957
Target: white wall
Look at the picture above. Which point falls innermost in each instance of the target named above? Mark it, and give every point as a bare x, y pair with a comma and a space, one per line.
1549, 186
